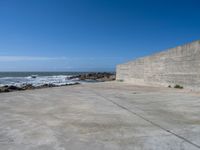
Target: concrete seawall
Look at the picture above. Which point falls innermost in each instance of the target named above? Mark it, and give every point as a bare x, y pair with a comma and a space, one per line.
180, 65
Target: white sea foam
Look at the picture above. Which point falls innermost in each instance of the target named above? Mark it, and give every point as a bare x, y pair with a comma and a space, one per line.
37, 81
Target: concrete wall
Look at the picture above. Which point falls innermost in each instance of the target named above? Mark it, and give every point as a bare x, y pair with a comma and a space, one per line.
180, 65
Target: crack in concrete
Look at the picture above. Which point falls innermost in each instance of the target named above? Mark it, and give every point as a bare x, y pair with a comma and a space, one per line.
151, 122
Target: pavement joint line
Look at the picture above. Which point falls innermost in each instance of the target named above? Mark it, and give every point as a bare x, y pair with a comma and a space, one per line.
151, 122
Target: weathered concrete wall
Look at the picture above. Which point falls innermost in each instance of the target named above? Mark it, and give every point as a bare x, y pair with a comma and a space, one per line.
180, 65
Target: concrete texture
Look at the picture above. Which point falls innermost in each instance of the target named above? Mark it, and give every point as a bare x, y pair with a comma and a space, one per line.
180, 65
100, 116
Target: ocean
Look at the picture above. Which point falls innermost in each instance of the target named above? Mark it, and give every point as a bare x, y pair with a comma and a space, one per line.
20, 79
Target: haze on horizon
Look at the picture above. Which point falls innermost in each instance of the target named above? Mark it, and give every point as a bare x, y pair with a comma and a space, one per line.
91, 35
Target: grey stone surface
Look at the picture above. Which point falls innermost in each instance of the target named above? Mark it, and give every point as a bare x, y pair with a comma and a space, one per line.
180, 65
100, 116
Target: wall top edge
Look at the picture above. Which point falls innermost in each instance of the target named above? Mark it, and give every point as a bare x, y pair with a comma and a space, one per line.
163, 52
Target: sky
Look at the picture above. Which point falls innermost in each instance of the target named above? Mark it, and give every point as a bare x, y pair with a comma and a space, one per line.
91, 35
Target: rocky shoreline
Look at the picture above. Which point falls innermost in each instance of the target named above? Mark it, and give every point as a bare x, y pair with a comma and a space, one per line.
98, 77
87, 77
12, 88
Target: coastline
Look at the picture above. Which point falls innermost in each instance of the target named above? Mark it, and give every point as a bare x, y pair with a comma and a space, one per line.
70, 80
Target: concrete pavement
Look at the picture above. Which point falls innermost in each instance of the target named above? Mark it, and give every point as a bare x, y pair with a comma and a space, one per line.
100, 116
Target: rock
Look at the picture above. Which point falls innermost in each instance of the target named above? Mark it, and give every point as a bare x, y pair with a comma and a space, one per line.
14, 88
7, 88
99, 76
28, 87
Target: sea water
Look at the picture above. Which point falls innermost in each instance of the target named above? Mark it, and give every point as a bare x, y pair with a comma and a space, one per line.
36, 79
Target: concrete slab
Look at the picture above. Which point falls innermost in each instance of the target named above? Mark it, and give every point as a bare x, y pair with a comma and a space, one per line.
100, 116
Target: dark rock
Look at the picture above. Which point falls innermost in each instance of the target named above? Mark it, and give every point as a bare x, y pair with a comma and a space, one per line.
14, 88
99, 76
28, 87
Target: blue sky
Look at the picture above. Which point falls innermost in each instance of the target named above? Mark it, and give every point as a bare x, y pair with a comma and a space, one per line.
91, 35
